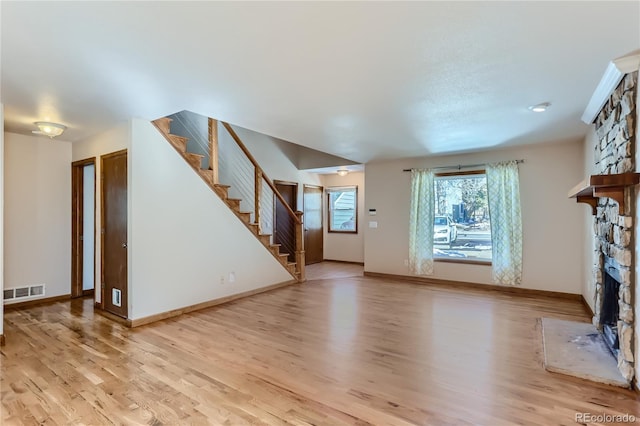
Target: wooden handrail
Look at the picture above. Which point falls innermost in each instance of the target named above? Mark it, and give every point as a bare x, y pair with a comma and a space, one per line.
244, 149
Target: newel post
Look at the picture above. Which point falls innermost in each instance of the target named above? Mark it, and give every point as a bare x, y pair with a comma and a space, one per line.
213, 149
300, 247
258, 193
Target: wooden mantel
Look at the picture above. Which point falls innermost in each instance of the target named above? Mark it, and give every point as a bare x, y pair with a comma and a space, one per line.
612, 186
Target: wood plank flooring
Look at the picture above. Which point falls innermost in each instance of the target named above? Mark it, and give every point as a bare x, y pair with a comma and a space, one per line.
335, 351
331, 269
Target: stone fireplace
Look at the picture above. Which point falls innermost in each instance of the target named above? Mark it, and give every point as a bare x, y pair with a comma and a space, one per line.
614, 225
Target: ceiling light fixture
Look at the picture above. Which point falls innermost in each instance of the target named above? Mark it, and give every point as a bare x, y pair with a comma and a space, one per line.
342, 172
49, 129
540, 107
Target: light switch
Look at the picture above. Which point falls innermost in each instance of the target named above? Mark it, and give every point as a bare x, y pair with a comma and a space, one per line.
373, 224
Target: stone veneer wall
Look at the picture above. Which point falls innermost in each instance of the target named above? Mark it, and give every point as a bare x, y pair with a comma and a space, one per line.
613, 229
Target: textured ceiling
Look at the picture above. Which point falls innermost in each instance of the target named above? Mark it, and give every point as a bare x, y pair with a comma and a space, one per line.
361, 80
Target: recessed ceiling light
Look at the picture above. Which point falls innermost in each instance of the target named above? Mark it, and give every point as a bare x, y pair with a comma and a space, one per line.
540, 107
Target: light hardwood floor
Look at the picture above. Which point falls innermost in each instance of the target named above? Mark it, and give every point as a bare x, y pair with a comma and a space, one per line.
353, 351
331, 269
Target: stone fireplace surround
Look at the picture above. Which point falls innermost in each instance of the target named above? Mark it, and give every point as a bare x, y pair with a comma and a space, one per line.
614, 229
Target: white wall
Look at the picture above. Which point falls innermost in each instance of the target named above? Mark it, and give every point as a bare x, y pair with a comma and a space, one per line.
552, 223
345, 247
37, 225
182, 237
276, 163
1, 214
112, 140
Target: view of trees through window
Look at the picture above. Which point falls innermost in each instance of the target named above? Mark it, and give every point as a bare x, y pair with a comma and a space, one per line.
461, 226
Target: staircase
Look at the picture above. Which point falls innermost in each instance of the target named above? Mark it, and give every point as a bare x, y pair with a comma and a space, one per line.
251, 219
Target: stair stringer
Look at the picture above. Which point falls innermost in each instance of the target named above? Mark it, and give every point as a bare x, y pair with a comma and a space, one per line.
183, 240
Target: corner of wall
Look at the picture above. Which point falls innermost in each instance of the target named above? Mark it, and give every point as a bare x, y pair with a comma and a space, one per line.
2, 218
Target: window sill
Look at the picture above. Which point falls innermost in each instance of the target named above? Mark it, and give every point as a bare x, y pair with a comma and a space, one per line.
459, 260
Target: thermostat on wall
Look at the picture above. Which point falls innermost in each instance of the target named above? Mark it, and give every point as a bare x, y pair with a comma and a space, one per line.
372, 212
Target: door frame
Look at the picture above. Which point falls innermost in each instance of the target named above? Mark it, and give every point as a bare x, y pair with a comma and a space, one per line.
102, 286
321, 188
77, 225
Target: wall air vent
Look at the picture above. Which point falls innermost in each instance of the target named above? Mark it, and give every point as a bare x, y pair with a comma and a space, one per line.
17, 293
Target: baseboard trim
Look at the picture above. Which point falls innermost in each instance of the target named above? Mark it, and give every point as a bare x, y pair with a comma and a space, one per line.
586, 305
208, 304
2, 342
98, 310
36, 302
343, 261
476, 286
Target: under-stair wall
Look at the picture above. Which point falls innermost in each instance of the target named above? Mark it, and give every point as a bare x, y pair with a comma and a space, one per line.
184, 241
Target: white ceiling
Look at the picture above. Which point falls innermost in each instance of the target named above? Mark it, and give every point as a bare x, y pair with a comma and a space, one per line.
361, 80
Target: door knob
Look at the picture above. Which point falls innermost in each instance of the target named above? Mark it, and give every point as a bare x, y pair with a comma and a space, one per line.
124, 245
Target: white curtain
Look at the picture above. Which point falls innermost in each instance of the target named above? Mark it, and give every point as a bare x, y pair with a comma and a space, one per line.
506, 222
421, 222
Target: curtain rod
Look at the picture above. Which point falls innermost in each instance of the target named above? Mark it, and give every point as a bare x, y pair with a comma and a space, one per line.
459, 167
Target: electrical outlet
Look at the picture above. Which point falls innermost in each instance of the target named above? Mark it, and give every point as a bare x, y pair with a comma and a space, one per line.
406, 262
221, 279
232, 277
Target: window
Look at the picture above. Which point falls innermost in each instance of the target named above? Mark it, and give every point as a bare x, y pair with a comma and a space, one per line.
461, 226
343, 209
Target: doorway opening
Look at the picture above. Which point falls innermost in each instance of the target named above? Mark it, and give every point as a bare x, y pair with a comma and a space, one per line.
312, 221
284, 231
83, 246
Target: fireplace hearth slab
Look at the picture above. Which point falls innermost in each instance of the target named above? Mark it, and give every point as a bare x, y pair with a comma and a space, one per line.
577, 349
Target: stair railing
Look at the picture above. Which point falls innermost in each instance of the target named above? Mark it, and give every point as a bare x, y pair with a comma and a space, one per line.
230, 163
261, 195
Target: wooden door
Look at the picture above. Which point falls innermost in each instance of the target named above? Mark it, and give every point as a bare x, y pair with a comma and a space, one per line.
114, 233
313, 231
284, 231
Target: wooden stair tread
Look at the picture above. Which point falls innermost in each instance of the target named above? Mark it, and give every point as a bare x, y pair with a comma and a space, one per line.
163, 124
177, 138
179, 142
194, 159
193, 155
